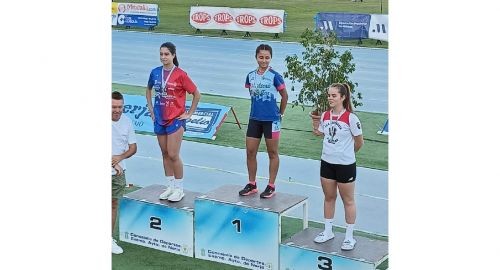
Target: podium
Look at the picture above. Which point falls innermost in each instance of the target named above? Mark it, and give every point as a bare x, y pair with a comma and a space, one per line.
243, 231
148, 221
300, 252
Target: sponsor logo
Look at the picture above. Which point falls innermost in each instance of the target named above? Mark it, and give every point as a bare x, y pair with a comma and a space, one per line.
246, 19
270, 20
223, 18
358, 124
201, 17
121, 8
121, 19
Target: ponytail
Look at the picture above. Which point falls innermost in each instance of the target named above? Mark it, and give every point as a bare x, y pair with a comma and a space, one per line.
344, 90
347, 101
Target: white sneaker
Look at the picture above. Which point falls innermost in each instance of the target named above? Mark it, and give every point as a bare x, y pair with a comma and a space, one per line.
323, 237
115, 248
176, 195
348, 244
166, 193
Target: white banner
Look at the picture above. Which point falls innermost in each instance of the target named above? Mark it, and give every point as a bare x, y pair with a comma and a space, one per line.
379, 27
138, 9
238, 19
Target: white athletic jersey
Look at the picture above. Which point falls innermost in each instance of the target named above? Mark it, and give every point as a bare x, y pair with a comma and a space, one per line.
338, 143
122, 135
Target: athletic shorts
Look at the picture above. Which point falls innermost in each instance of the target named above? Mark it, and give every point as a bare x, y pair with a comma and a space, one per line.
118, 185
169, 129
337, 172
270, 129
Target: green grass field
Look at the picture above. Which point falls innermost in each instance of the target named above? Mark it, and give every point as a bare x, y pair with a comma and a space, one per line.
137, 257
297, 139
174, 16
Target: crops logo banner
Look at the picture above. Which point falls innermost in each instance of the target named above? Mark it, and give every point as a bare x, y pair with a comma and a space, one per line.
237, 19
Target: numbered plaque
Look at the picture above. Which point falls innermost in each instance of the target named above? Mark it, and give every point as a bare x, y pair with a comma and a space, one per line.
236, 235
301, 253
242, 231
147, 221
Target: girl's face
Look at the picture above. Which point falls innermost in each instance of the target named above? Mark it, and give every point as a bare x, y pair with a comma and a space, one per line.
166, 57
334, 98
263, 59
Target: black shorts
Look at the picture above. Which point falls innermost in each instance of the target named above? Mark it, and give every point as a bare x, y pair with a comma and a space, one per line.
270, 129
337, 172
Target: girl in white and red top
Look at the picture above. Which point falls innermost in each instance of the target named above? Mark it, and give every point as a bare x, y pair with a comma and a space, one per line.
343, 137
170, 85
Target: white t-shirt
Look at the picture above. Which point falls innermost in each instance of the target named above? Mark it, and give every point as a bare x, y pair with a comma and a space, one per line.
122, 135
338, 143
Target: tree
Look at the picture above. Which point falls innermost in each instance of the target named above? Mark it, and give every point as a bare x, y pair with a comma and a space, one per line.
320, 66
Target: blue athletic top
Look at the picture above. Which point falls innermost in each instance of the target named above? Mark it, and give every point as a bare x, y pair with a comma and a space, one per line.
263, 91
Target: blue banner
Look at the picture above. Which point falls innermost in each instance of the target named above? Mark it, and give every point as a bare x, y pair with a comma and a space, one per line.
137, 20
204, 123
344, 25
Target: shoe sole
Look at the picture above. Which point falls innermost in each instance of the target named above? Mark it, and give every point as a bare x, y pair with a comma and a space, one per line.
249, 193
176, 200
165, 197
323, 241
267, 197
347, 249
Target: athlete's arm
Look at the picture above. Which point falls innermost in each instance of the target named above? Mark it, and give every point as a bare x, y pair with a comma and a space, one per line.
194, 104
150, 104
358, 142
284, 100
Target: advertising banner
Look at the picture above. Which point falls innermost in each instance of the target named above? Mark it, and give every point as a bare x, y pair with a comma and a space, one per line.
379, 27
344, 25
134, 14
114, 13
204, 123
237, 19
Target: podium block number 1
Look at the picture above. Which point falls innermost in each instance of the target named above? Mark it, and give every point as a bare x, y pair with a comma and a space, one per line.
237, 223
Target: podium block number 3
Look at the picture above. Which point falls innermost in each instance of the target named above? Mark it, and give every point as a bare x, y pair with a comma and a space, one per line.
155, 223
325, 263
237, 224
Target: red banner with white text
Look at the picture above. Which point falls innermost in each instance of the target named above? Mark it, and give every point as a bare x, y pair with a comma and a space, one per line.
238, 19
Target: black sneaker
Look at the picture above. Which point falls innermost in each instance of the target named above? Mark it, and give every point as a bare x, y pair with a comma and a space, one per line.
268, 193
249, 189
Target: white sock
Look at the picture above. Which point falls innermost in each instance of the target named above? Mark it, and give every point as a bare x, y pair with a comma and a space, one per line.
348, 231
170, 180
178, 183
328, 225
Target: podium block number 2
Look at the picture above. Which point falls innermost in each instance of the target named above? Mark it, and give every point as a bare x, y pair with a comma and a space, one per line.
325, 263
155, 223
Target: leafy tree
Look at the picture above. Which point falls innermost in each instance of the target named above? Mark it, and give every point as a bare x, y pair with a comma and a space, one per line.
320, 66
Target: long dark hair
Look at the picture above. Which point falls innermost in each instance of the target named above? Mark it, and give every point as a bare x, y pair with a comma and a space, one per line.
171, 47
344, 90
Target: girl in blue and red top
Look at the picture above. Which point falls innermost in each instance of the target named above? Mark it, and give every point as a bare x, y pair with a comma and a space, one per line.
343, 137
170, 85
264, 85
